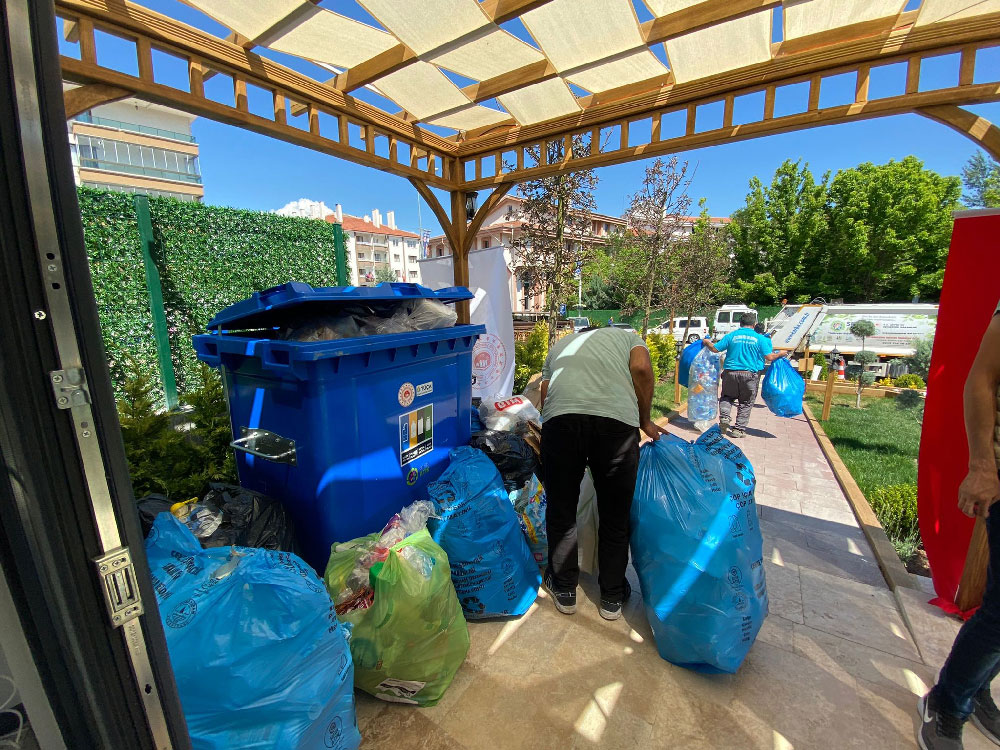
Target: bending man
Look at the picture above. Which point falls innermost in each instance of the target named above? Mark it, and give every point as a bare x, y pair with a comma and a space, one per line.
597, 390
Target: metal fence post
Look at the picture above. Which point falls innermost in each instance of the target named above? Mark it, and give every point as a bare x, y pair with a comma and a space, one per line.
145, 223
340, 250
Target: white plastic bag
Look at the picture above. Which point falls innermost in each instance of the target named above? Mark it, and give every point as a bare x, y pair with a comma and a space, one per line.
499, 413
418, 315
324, 328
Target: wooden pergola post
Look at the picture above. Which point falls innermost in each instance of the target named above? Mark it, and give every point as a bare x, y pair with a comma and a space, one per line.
460, 249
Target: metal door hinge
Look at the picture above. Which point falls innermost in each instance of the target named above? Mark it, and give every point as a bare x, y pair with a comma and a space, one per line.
69, 387
121, 593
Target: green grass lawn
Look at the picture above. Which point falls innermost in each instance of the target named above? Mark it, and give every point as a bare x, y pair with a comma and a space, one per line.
878, 442
663, 399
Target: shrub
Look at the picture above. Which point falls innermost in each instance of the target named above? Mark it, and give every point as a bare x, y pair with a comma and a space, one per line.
662, 353
820, 359
909, 399
910, 380
161, 458
529, 356
920, 362
896, 508
886, 382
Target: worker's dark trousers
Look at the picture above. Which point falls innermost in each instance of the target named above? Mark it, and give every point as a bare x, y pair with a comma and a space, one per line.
975, 656
739, 386
610, 448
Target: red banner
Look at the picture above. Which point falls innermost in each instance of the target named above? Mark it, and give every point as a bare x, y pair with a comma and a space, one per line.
968, 300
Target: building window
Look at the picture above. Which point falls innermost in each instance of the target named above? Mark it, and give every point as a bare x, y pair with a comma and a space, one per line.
413, 274
486, 243
379, 258
412, 258
361, 256
142, 191
362, 238
396, 258
440, 252
131, 158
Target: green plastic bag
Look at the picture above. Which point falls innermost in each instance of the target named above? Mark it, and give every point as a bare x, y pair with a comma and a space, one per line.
408, 645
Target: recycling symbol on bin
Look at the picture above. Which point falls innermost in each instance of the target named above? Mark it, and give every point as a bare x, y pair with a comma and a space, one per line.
734, 577
411, 477
183, 614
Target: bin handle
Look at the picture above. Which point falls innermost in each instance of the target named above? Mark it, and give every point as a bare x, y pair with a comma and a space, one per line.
266, 445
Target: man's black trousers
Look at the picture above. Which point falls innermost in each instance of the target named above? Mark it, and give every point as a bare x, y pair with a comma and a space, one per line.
570, 443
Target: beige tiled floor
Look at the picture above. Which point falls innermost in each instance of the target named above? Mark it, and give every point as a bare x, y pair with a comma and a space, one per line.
835, 665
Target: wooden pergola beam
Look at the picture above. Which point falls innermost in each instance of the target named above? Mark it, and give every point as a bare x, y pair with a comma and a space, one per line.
880, 49
984, 133
370, 70
700, 16
82, 98
136, 21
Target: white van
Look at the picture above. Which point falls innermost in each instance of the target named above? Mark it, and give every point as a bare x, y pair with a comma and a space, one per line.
684, 331
727, 318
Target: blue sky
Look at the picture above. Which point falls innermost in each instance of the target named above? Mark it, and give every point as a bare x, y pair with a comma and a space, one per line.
247, 170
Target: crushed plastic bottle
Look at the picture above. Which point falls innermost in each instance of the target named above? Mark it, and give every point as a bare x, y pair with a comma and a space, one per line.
703, 389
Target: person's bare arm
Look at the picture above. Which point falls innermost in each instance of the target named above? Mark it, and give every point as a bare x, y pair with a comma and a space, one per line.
981, 487
710, 345
641, 368
545, 392
774, 355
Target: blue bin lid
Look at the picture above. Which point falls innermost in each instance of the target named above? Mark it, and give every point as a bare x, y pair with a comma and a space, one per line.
262, 308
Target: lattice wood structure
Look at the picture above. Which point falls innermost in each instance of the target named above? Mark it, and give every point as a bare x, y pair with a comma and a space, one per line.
720, 56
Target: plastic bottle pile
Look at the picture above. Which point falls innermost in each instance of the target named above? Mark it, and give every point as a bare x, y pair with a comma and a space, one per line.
703, 389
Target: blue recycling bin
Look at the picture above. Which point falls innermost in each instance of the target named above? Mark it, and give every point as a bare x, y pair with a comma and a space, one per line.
343, 432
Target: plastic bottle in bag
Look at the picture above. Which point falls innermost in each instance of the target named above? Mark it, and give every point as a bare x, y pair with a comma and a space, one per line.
703, 389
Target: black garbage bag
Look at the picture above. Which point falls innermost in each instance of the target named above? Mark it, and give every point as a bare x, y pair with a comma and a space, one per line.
229, 515
513, 457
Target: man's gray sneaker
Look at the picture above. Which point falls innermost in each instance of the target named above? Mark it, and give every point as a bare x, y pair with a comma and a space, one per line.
986, 716
736, 433
611, 609
938, 731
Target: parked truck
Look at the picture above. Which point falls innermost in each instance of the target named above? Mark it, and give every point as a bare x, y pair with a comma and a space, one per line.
822, 327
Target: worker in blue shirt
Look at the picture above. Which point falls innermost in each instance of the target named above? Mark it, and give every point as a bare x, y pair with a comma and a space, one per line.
746, 354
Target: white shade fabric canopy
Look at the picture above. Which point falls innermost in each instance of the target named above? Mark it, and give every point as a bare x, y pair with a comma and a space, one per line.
439, 60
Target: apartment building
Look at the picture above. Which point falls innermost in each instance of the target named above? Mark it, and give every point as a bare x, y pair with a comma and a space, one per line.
502, 227
375, 244
136, 147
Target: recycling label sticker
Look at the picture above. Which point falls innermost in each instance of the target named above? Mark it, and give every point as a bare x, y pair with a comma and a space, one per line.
416, 434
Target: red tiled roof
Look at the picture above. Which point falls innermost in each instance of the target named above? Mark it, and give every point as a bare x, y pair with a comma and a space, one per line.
357, 224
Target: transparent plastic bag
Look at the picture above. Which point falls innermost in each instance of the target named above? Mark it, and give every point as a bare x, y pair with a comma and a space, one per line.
418, 315
324, 328
703, 389
505, 412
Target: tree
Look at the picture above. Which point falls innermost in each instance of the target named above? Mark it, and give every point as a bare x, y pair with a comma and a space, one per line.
703, 265
981, 177
889, 231
863, 329
384, 274
778, 236
655, 219
920, 362
556, 215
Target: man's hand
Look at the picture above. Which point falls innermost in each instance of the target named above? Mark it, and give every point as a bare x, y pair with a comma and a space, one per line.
978, 491
652, 429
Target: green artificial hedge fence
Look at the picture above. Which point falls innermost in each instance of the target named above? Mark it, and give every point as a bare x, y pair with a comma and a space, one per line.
208, 256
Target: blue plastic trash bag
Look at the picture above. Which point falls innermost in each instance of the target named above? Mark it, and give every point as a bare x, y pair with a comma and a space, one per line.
783, 389
697, 548
687, 357
258, 654
703, 389
491, 566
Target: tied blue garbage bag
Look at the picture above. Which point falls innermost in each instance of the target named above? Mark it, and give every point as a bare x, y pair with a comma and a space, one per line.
697, 548
783, 389
703, 389
491, 565
687, 357
258, 654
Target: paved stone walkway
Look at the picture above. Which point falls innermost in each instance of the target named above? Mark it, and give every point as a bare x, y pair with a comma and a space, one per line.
835, 665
